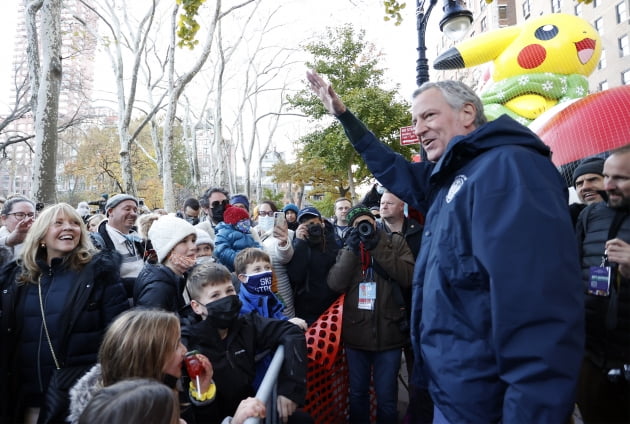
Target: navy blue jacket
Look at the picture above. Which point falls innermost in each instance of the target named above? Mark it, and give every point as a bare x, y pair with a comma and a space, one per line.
497, 319
76, 325
157, 286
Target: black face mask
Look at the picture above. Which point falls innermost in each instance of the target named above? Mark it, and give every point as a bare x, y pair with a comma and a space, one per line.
217, 213
222, 312
192, 220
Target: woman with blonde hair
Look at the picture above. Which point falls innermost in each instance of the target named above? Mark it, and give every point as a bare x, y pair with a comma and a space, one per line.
146, 343
56, 301
141, 343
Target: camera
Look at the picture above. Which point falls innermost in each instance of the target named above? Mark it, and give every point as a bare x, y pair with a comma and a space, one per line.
365, 229
315, 230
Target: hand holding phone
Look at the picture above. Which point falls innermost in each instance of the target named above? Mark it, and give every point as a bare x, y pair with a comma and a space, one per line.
280, 228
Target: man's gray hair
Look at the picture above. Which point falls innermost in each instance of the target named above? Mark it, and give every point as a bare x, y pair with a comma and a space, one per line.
456, 94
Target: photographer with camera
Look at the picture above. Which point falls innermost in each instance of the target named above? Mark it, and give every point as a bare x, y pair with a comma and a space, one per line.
314, 253
372, 270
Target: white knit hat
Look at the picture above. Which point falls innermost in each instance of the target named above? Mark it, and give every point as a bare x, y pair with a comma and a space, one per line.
203, 237
166, 232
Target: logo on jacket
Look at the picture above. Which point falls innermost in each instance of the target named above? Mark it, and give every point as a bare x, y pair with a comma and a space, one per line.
455, 186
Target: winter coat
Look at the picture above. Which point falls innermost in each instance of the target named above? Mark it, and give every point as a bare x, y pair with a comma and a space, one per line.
308, 271
265, 305
229, 241
280, 256
95, 298
233, 358
378, 329
157, 286
607, 344
497, 284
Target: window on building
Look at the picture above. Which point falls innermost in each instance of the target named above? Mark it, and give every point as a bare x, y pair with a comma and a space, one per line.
599, 25
502, 11
622, 12
625, 77
484, 24
578, 9
482, 4
595, 3
624, 46
527, 9
555, 6
602, 60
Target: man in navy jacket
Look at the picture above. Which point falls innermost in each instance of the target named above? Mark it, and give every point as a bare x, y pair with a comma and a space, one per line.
497, 327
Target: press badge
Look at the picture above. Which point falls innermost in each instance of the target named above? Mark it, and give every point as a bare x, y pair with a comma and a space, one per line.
367, 295
599, 281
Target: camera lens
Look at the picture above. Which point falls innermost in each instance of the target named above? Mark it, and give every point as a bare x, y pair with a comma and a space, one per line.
365, 229
314, 230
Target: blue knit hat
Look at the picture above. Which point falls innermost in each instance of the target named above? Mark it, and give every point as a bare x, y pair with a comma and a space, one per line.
240, 198
291, 207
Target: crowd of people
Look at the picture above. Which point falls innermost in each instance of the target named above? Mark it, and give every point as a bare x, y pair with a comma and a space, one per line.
507, 303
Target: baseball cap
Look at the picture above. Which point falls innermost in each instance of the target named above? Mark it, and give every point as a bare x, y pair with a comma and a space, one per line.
308, 211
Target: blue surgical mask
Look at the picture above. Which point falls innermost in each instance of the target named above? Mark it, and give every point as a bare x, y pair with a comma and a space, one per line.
259, 283
244, 225
265, 223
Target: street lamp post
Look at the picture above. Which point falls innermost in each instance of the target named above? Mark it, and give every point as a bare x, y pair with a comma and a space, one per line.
422, 64
454, 25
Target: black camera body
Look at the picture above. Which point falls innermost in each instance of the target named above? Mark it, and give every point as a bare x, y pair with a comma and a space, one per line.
314, 230
365, 229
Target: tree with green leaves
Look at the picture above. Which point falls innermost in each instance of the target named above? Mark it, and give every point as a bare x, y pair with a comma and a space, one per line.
352, 66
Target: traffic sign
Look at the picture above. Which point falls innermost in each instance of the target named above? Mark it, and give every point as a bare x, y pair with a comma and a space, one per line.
407, 136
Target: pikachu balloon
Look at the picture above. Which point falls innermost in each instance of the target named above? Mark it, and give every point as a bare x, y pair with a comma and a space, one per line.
543, 62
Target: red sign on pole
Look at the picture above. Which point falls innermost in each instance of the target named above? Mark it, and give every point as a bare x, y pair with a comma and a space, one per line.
407, 136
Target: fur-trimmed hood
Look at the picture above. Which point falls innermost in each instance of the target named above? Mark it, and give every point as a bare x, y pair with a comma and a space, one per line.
83, 391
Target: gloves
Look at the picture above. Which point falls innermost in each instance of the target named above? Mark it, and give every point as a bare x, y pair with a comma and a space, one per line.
352, 240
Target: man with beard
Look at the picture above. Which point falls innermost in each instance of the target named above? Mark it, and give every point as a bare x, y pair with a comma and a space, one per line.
588, 182
604, 234
314, 253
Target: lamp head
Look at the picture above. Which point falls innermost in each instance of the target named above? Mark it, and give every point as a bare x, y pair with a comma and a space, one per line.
456, 20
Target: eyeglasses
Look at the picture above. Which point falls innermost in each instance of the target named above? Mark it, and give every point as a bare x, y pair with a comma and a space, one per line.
263, 213
217, 203
22, 215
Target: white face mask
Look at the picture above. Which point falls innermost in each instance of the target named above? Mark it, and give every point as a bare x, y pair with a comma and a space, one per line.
265, 223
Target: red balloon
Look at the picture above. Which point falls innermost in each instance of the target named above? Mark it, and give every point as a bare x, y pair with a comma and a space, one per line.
595, 124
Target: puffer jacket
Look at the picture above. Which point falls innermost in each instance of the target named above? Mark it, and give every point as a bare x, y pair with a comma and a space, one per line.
379, 329
498, 308
157, 286
233, 358
96, 297
229, 241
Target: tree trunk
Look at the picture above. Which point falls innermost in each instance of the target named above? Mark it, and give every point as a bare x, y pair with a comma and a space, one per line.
47, 112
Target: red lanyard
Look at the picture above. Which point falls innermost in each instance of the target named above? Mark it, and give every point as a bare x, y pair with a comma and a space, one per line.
366, 260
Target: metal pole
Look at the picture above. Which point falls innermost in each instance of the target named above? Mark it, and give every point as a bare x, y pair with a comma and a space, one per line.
422, 64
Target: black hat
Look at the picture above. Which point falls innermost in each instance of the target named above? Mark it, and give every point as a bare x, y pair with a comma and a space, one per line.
592, 165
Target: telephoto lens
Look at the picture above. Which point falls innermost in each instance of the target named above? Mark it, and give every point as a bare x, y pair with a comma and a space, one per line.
365, 229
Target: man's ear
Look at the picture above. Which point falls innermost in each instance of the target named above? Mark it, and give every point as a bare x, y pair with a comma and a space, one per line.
468, 113
242, 278
196, 307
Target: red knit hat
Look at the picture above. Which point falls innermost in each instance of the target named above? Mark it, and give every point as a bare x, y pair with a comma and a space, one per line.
233, 214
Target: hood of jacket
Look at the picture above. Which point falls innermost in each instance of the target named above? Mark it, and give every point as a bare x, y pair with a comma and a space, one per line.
83, 391
500, 132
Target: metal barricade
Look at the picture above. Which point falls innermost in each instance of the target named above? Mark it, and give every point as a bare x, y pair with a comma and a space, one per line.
267, 392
